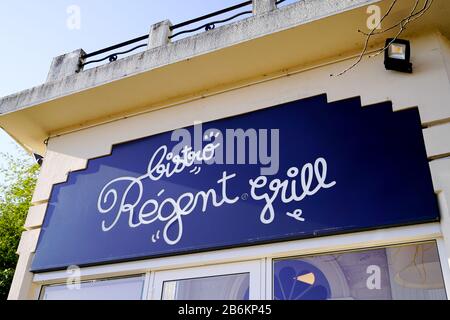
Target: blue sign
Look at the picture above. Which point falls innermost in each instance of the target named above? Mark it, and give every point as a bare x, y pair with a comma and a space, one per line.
303, 169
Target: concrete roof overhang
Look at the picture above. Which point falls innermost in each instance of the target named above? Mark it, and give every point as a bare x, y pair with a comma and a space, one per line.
300, 35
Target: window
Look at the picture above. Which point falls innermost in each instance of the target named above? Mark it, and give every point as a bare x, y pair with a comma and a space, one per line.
112, 289
398, 272
225, 287
403, 266
230, 281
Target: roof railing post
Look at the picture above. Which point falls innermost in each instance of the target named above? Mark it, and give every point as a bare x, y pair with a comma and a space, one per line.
263, 6
66, 65
159, 34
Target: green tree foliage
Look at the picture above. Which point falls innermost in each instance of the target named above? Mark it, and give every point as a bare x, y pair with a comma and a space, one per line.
17, 182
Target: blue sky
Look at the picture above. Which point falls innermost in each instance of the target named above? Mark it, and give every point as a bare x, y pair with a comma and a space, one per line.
33, 32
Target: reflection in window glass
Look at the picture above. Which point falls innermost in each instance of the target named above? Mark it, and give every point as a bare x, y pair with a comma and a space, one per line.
226, 287
114, 289
403, 272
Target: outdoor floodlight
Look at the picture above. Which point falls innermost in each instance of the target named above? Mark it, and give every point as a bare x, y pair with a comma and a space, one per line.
397, 55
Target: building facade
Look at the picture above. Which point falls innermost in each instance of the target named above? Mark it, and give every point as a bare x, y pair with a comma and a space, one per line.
342, 191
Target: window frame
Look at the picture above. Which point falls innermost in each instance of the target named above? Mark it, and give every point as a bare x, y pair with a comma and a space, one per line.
139, 275
253, 268
435, 242
265, 254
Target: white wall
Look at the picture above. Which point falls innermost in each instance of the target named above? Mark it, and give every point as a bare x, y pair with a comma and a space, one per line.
428, 88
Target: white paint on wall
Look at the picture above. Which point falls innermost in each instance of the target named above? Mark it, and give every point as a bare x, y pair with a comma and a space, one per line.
428, 88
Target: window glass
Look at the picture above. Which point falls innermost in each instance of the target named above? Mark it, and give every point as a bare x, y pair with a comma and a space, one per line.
400, 272
113, 289
226, 287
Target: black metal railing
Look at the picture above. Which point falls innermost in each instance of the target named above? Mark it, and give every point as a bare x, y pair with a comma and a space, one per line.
113, 57
206, 26
211, 25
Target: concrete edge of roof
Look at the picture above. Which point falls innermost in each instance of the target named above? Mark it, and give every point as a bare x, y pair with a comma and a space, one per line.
283, 18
